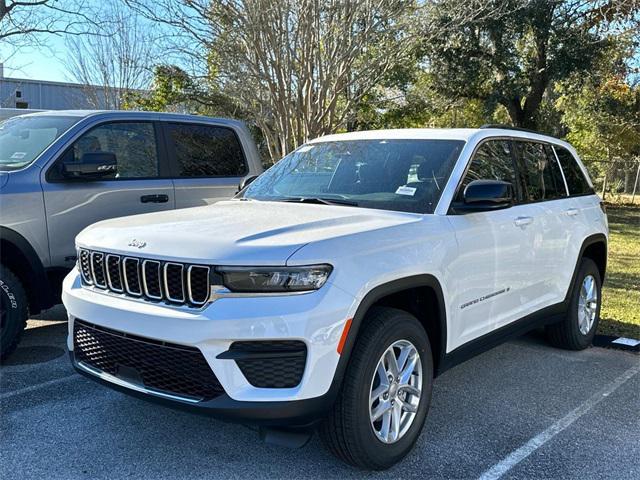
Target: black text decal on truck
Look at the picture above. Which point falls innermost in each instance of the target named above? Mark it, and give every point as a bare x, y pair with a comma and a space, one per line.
483, 298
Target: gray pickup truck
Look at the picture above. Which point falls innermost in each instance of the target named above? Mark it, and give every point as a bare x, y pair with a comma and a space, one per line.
62, 171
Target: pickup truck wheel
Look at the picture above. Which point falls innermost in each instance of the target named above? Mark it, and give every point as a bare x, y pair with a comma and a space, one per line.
385, 393
14, 311
577, 330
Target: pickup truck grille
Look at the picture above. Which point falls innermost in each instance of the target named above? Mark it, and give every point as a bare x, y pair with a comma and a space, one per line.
153, 280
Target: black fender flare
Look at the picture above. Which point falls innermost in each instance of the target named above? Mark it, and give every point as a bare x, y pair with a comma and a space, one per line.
586, 243
373, 296
33, 274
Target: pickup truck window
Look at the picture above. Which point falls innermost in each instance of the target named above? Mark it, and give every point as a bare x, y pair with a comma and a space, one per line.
205, 151
132, 143
22, 139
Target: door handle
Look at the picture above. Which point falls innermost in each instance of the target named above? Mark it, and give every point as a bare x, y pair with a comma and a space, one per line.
572, 212
161, 198
523, 221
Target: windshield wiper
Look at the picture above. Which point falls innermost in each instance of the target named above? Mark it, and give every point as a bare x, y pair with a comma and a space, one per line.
320, 200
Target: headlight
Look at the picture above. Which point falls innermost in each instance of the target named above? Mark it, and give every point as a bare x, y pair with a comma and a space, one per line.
275, 279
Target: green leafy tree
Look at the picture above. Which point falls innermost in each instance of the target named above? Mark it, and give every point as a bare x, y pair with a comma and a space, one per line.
171, 90
602, 115
174, 90
512, 51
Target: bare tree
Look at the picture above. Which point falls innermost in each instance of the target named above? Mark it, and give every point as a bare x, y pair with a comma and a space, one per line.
113, 63
298, 66
302, 66
27, 22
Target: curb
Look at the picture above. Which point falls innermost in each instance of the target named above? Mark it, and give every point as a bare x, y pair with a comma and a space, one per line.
618, 343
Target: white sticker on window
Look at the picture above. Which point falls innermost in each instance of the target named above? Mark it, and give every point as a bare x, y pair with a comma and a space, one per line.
18, 155
404, 190
306, 148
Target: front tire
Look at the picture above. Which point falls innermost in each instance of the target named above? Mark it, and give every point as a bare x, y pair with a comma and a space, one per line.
385, 395
14, 311
577, 330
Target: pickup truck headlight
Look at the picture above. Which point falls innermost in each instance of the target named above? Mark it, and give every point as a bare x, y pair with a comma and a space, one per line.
274, 279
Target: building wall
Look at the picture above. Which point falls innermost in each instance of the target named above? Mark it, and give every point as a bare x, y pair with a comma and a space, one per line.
36, 94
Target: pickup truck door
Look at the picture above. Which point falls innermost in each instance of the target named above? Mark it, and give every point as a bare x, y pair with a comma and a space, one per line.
207, 162
71, 204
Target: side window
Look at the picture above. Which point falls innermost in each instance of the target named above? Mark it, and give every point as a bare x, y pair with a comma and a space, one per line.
206, 151
492, 161
576, 181
133, 144
542, 178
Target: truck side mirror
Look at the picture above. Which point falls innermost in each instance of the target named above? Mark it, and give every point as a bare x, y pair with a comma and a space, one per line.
93, 165
245, 182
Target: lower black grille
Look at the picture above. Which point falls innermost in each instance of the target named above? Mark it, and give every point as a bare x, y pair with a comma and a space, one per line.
161, 366
271, 364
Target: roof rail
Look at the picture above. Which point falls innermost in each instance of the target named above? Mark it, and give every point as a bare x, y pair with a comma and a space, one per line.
509, 127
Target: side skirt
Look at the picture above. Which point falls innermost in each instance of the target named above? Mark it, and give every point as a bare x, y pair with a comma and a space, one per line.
546, 316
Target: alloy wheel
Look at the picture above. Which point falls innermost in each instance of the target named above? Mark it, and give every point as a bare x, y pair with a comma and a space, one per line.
587, 304
396, 388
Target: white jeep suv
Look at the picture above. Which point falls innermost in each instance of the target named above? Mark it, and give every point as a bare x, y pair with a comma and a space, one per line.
334, 288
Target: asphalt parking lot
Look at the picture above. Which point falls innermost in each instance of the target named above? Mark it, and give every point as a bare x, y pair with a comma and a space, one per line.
522, 410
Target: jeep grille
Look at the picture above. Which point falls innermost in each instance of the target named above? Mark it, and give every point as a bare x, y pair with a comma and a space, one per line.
153, 280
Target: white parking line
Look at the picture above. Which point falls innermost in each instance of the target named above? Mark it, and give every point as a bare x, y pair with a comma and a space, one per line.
515, 457
38, 386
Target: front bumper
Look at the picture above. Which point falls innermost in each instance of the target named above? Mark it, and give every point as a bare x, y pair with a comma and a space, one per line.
316, 318
296, 413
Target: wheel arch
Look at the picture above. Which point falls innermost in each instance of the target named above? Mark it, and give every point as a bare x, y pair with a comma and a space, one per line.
417, 288
595, 248
19, 256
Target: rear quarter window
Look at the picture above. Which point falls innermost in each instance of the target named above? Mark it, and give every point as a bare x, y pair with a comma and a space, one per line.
576, 181
205, 151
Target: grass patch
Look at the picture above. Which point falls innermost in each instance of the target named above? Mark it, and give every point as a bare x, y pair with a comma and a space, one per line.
620, 314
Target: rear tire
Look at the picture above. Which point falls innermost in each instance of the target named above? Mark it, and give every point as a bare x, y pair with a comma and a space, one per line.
14, 311
350, 431
577, 330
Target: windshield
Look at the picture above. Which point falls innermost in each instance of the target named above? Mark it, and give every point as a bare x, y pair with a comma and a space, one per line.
402, 175
22, 139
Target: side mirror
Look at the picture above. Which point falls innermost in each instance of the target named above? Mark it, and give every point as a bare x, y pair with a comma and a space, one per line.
485, 195
92, 165
245, 182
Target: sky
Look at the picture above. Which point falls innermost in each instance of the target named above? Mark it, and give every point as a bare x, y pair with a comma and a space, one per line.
45, 63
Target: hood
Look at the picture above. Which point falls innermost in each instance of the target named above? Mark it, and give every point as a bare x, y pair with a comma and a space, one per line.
234, 232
